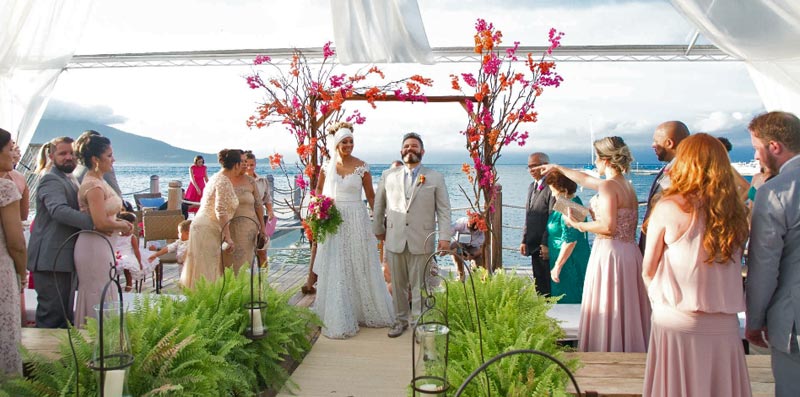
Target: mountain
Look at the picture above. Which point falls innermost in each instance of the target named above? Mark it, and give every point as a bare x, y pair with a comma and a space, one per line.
128, 148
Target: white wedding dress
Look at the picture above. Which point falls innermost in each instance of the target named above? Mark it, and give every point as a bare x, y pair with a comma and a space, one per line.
351, 290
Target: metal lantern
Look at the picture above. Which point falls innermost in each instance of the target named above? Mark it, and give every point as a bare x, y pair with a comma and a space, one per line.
431, 340
112, 356
256, 306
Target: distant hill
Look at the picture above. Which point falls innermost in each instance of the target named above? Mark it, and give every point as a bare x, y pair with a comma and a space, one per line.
128, 148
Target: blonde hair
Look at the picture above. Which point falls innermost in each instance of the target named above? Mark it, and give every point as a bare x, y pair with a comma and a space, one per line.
43, 159
614, 150
702, 174
339, 124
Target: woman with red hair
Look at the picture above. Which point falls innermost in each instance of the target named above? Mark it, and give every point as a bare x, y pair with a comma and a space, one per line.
692, 269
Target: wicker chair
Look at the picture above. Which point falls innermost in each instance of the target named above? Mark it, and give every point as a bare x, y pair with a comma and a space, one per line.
138, 196
161, 225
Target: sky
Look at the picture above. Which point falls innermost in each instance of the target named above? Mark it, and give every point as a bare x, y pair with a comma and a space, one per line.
205, 108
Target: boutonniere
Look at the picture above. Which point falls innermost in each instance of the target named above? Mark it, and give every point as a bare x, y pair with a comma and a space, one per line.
541, 186
420, 180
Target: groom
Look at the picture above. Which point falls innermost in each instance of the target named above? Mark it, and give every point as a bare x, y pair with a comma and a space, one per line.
413, 199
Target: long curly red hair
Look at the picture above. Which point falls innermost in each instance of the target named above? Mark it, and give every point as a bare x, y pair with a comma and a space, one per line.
703, 175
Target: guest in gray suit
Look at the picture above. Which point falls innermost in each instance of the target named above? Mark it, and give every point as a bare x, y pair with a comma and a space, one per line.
57, 217
773, 275
538, 205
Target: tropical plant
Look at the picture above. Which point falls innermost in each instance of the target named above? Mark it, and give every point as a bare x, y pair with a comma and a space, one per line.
504, 101
193, 347
512, 316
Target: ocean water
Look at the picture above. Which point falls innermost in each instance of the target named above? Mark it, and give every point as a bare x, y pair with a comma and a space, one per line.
514, 180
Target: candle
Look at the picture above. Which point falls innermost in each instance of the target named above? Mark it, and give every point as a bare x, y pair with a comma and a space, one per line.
255, 322
115, 379
428, 387
429, 344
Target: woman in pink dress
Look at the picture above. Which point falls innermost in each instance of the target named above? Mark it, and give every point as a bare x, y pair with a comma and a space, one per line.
198, 177
615, 311
692, 267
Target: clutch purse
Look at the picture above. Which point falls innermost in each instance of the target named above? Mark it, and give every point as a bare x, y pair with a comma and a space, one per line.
579, 212
261, 241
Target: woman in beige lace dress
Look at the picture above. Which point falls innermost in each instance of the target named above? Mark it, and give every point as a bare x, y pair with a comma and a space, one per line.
210, 230
12, 265
94, 257
247, 222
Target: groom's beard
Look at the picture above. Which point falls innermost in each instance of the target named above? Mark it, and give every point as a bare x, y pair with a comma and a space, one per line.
412, 158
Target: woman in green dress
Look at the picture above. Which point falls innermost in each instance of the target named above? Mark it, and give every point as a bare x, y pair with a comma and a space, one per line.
568, 247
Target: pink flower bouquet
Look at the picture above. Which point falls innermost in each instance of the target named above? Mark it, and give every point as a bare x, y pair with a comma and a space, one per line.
323, 218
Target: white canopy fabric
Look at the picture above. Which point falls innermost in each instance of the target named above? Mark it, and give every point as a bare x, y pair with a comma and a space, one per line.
38, 39
765, 33
386, 31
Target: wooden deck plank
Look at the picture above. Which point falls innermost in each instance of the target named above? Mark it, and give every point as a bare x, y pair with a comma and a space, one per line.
366, 365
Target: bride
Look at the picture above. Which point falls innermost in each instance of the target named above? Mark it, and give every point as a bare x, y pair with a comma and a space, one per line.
350, 289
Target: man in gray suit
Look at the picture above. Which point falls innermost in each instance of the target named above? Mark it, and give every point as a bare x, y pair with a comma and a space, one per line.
538, 205
414, 200
57, 217
773, 265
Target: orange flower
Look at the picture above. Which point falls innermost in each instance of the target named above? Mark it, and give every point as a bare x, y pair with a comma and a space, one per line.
421, 179
307, 230
275, 160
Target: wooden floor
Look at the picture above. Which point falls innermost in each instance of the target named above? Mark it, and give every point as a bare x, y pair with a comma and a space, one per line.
366, 365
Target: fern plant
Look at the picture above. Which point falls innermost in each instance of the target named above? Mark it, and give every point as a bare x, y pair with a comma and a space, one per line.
193, 347
512, 317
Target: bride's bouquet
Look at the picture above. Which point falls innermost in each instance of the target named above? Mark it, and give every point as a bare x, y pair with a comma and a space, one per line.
323, 218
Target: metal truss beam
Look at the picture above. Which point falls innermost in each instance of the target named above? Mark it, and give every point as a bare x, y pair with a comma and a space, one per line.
283, 56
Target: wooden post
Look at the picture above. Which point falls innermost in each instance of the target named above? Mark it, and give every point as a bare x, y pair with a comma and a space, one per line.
154, 184
174, 195
496, 255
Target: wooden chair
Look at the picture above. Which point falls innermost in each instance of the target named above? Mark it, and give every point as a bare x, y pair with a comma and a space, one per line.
161, 225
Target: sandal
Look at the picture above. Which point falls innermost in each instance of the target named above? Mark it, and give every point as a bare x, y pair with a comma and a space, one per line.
128, 288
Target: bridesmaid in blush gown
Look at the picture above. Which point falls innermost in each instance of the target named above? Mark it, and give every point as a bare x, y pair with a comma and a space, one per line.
692, 265
93, 256
615, 310
198, 177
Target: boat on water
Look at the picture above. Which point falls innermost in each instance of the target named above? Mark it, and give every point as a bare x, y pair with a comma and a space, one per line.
747, 168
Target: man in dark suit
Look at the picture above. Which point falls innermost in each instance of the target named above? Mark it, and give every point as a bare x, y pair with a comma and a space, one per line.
665, 143
538, 205
57, 217
773, 263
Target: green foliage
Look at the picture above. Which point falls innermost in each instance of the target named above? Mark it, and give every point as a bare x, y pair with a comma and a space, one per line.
513, 317
186, 348
323, 217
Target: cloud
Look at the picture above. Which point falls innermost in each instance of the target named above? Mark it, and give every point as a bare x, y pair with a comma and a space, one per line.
100, 114
720, 122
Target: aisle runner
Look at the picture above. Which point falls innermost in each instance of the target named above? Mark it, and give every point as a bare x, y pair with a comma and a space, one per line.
366, 365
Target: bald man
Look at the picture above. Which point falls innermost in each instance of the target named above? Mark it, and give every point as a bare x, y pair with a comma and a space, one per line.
665, 143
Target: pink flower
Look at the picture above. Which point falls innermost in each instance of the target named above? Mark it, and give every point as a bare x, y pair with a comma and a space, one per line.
295, 103
300, 182
327, 51
253, 81
261, 59
511, 52
337, 81
492, 65
469, 79
555, 40
356, 117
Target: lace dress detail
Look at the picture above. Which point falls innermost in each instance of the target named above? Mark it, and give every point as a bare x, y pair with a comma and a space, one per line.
351, 290
627, 219
243, 231
10, 333
203, 254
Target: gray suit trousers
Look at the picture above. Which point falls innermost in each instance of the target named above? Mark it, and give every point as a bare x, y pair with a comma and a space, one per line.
407, 270
56, 293
786, 368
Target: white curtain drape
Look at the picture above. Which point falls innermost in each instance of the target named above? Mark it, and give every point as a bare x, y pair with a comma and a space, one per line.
38, 39
764, 33
385, 31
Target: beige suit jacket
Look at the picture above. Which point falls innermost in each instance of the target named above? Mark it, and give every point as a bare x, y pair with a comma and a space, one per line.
412, 221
